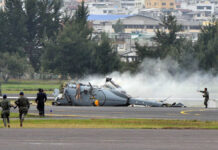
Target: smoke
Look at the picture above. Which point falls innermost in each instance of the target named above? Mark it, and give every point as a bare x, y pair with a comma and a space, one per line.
161, 79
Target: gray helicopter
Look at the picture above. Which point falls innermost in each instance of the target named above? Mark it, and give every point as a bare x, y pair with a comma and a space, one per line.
110, 94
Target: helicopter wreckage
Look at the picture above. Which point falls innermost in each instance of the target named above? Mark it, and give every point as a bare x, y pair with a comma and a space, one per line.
110, 94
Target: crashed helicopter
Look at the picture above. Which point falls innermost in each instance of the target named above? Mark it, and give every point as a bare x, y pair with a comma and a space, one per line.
110, 94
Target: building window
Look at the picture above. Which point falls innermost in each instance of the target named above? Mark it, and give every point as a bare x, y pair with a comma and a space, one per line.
121, 46
171, 4
195, 27
208, 7
150, 27
163, 4
200, 7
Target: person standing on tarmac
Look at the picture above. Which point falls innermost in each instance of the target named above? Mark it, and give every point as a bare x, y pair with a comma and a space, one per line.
40, 100
5, 104
23, 105
206, 96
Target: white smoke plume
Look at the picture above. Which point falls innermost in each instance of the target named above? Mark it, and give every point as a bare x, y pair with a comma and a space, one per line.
154, 81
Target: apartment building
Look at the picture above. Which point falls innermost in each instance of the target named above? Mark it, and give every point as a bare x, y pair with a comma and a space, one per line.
162, 4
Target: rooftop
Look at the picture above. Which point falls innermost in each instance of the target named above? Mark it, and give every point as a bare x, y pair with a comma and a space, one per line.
106, 17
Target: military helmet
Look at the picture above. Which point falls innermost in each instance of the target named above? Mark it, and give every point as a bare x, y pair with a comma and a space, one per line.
4, 96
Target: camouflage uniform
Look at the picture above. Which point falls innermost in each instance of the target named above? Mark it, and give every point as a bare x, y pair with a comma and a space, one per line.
5, 104
206, 97
23, 105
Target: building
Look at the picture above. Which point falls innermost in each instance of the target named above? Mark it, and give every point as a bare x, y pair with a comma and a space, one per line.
208, 8
104, 7
139, 3
138, 28
127, 3
201, 11
162, 4
103, 23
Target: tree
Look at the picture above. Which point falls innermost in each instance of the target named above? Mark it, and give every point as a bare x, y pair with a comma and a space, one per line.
71, 53
81, 14
0, 89
27, 24
12, 65
166, 40
3, 33
206, 47
74, 53
145, 51
15, 30
118, 27
49, 17
106, 58
167, 44
43, 20
80, 18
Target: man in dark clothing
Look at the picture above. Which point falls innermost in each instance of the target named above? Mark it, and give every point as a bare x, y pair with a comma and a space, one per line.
40, 100
206, 96
5, 104
23, 105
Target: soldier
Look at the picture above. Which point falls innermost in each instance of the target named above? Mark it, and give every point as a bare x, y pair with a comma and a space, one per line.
78, 91
23, 105
40, 100
5, 104
61, 88
206, 96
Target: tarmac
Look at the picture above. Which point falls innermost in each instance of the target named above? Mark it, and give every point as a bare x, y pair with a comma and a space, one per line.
75, 112
107, 139
117, 139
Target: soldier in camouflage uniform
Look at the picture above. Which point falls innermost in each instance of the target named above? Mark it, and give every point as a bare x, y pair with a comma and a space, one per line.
5, 104
23, 105
206, 96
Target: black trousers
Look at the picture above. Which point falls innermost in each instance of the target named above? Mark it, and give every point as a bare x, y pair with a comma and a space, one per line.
41, 109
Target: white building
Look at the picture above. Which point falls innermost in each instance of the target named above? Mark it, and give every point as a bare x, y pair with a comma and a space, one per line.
104, 7
205, 7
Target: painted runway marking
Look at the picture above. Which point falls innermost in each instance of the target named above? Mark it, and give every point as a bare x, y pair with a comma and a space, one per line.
186, 112
59, 115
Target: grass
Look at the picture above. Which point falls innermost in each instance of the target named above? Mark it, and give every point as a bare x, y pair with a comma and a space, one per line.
16, 115
25, 91
32, 102
29, 85
115, 123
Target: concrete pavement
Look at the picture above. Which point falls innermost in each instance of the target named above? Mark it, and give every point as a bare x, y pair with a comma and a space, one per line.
107, 139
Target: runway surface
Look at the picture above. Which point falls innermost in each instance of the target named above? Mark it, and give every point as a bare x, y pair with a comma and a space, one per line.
210, 114
117, 139
107, 139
